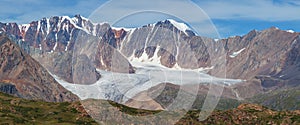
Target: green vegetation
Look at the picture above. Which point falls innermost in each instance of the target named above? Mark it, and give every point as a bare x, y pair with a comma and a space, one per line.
169, 94
250, 114
243, 114
20, 111
223, 104
279, 100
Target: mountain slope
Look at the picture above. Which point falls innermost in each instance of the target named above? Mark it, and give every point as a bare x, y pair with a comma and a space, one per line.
27, 77
163, 95
243, 114
286, 99
261, 53
15, 110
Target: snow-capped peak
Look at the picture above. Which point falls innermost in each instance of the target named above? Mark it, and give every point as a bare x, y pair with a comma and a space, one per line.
290, 31
180, 26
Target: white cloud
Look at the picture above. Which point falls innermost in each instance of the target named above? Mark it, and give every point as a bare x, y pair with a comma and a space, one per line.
266, 10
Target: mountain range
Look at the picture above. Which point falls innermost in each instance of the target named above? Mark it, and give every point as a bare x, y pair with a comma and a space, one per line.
261, 66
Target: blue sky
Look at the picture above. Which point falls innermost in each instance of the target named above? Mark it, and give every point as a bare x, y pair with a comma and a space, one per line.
230, 17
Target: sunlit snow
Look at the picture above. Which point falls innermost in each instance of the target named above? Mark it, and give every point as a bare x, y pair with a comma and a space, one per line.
180, 26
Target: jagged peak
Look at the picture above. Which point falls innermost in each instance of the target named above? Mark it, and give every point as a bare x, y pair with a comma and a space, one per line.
254, 31
273, 28
179, 26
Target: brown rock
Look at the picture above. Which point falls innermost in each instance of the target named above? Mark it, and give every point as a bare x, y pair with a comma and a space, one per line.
31, 80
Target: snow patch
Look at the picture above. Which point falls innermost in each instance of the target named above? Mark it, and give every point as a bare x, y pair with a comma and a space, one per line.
124, 28
290, 31
74, 21
66, 49
83, 18
40, 46
155, 60
48, 26
234, 54
54, 48
39, 26
180, 26
94, 32
25, 27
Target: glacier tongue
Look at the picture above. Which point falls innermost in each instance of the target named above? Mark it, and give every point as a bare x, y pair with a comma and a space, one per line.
120, 87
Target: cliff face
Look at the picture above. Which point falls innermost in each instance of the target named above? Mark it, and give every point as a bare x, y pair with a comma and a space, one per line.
261, 53
26, 78
165, 44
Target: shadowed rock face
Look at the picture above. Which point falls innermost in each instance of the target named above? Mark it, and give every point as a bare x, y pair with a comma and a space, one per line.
84, 71
29, 78
108, 58
8, 88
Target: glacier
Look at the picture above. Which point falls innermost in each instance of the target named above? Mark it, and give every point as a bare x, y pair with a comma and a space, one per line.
120, 87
